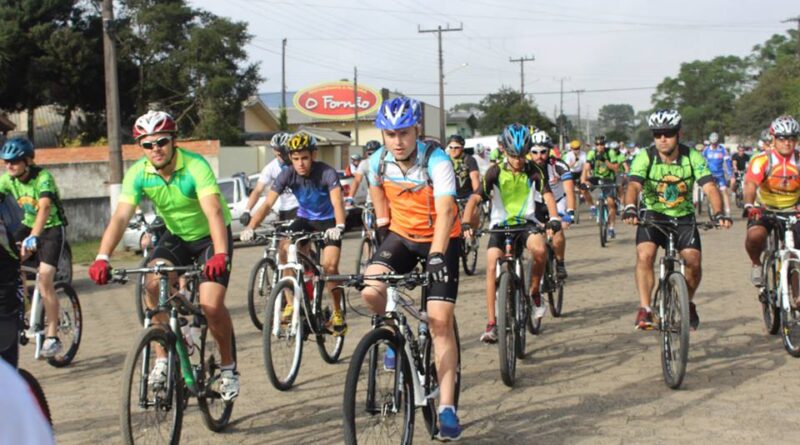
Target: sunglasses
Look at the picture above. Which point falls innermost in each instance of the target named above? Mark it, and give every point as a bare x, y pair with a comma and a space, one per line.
539, 152
786, 138
160, 142
455, 147
666, 134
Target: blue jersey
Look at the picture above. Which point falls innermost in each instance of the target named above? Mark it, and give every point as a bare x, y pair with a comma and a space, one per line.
313, 192
718, 160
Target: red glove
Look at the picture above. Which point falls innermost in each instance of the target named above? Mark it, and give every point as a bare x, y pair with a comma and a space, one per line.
753, 213
99, 271
216, 266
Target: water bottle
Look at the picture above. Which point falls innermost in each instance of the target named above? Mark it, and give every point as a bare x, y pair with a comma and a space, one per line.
186, 330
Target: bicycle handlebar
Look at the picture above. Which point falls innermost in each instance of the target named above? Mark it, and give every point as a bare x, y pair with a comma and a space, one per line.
408, 280
121, 275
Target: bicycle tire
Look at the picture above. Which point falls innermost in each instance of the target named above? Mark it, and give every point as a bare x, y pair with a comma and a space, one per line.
327, 339
430, 412
216, 413
285, 382
364, 254
469, 255
174, 399
673, 366
38, 393
522, 306
769, 298
555, 294
70, 320
259, 288
603, 215
140, 293
367, 354
790, 321
506, 336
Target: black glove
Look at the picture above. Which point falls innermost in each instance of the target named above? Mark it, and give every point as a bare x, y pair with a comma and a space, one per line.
583, 186
245, 218
554, 225
719, 217
629, 213
437, 268
381, 233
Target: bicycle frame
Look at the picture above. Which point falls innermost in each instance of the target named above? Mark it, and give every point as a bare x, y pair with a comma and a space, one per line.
293, 263
35, 328
789, 256
367, 221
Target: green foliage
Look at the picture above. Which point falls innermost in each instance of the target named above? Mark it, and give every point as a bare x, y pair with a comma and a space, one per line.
776, 92
616, 119
505, 107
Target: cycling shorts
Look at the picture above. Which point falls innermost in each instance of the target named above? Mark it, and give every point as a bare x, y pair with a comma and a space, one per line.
498, 240
688, 237
722, 183
608, 192
308, 225
401, 255
287, 215
174, 249
50, 243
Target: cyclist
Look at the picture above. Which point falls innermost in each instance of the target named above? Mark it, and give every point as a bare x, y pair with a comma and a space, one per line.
184, 192
514, 188
575, 158
719, 163
739, 162
773, 179
601, 168
287, 203
496, 155
42, 231
318, 191
417, 182
468, 178
664, 173
562, 184
481, 158
362, 172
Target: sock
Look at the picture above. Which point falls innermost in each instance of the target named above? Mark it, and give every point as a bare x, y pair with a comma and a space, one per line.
231, 367
444, 407
648, 309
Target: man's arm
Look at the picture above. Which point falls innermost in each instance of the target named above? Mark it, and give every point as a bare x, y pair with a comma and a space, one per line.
357, 178
44, 204
338, 205
445, 214
210, 204
116, 227
713, 194
254, 195
569, 190
264, 210
632, 193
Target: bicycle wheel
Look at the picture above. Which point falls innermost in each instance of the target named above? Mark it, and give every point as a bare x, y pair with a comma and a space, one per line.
522, 306
363, 255
603, 215
378, 401
70, 324
430, 412
485, 215
151, 412
506, 321
282, 343
38, 393
262, 277
769, 297
555, 292
674, 330
216, 412
140, 294
790, 318
469, 255
330, 346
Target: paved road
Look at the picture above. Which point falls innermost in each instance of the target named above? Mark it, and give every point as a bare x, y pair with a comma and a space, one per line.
589, 379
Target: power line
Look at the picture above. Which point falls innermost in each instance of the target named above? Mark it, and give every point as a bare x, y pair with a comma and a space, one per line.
541, 93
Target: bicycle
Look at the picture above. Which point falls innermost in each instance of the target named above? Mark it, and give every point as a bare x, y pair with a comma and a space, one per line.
193, 363
375, 398
264, 274
602, 209
551, 284
739, 195
769, 294
283, 337
671, 299
785, 270
153, 230
33, 324
469, 247
369, 238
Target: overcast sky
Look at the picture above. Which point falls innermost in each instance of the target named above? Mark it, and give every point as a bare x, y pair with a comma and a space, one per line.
594, 45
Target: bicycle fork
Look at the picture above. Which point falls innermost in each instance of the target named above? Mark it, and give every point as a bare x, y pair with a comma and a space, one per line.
417, 378
36, 328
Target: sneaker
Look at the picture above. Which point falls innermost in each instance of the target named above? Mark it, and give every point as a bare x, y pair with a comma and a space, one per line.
644, 320
756, 276
228, 385
593, 211
694, 319
158, 375
611, 233
51, 347
539, 307
490, 335
561, 270
449, 427
338, 324
286, 315
389, 359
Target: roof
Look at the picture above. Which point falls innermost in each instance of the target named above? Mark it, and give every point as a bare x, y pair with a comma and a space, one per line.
326, 136
5, 124
273, 100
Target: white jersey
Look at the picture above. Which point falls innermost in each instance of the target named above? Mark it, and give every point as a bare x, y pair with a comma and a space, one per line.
578, 159
363, 170
21, 420
286, 201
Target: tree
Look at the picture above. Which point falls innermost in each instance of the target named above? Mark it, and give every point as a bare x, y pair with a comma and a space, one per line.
505, 107
777, 92
616, 121
766, 55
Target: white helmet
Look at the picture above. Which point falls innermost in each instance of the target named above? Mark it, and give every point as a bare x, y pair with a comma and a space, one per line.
664, 119
613, 145
480, 149
541, 138
784, 126
713, 138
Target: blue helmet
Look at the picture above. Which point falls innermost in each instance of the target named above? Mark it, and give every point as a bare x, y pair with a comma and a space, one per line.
17, 148
397, 113
517, 140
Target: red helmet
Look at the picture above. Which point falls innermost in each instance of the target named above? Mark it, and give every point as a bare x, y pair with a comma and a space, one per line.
154, 122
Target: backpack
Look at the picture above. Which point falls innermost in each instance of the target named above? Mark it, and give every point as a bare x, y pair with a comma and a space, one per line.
684, 150
426, 157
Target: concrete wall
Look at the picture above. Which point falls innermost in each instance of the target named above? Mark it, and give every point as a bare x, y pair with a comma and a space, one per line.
87, 217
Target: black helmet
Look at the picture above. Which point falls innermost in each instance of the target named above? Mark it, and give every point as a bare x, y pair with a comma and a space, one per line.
371, 147
458, 138
600, 140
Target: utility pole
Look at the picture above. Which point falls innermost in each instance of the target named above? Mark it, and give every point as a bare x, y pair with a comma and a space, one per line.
796, 19
578, 94
355, 101
439, 31
283, 119
561, 115
522, 61
112, 104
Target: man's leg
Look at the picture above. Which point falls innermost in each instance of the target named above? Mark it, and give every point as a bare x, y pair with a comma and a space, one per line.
754, 243
330, 265
692, 259
47, 274
374, 294
612, 211
212, 301
645, 280
440, 321
537, 247
492, 255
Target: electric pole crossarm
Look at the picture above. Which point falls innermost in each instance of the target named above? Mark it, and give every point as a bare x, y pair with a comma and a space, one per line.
522, 61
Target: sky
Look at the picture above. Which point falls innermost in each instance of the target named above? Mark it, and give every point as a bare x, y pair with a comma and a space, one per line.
627, 46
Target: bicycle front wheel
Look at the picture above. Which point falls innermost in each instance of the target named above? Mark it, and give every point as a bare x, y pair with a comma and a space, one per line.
674, 330
602, 212
378, 399
38, 393
555, 294
790, 318
431, 383
282, 341
152, 405
262, 277
469, 255
769, 297
140, 293
216, 412
329, 345
70, 324
506, 332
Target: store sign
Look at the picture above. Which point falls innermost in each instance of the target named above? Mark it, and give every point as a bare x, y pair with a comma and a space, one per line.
336, 100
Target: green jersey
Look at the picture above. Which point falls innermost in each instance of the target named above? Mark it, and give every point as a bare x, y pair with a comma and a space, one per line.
177, 200
599, 167
667, 188
514, 196
39, 184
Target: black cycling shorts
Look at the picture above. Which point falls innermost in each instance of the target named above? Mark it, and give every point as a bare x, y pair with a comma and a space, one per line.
609, 192
287, 215
307, 225
50, 243
772, 224
174, 249
688, 237
498, 240
401, 255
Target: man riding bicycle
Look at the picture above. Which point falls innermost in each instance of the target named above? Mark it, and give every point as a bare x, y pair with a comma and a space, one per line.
362, 172
719, 164
42, 231
413, 188
184, 192
665, 173
321, 208
517, 189
773, 179
739, 162
601, 168
468, 178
